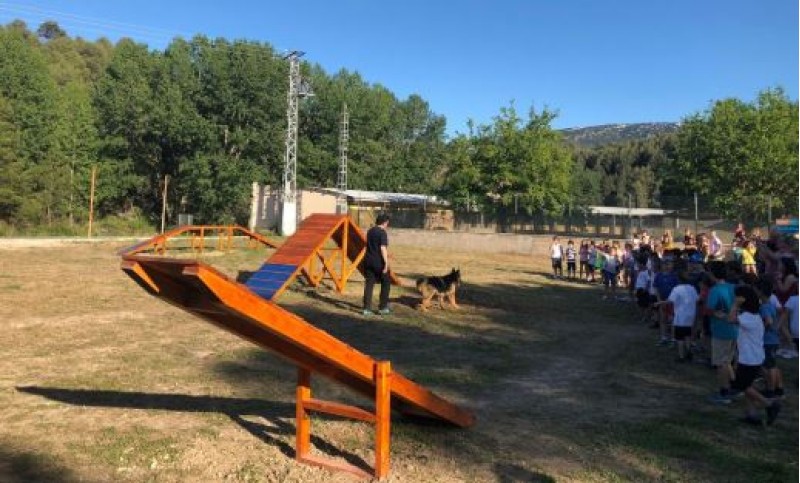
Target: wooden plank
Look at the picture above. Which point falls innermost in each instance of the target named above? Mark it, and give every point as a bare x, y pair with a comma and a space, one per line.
289, 326
336, 466
136, 268
383, 415
338, 409
276, 329
303, 423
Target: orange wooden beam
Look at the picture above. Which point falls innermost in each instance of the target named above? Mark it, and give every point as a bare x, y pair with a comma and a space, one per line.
303, 423
383, 415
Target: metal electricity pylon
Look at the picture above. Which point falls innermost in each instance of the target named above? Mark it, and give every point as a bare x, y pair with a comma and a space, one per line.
341, 181
297, 90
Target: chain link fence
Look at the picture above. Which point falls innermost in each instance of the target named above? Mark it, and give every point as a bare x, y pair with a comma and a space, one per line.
676, 214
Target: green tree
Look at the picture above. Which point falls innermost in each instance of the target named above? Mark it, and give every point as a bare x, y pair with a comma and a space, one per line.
50, 30
741, 154
26, 86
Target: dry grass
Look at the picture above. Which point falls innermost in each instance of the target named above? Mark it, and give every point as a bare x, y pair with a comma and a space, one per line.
100, 382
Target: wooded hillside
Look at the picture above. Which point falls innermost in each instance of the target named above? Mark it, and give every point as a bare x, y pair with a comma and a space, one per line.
211, 115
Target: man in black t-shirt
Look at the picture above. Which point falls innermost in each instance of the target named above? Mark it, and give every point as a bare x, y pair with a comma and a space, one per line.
376, 265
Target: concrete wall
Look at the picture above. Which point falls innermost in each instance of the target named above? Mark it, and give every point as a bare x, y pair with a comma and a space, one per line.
534, 245
314, 202
265, 206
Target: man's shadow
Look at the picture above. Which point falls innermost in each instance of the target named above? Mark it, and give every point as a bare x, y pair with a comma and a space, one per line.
275, 414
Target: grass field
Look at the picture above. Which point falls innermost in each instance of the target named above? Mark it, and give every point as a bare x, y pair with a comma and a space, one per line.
101, 382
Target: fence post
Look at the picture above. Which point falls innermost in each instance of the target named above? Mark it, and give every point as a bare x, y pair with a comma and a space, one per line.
695, 212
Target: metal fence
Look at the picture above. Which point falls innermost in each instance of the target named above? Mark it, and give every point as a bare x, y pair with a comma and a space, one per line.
677, 214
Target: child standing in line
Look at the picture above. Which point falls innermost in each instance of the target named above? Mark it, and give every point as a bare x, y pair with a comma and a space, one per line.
572, 255
610, 269
599, 261
749, 257
583, 253
629, 267
591, 260
772, 341
684, 308
750, 346
556, 255
645, 300
664, 282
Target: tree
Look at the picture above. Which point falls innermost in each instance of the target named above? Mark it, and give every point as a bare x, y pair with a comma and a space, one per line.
50, 30
510, 163
740, 155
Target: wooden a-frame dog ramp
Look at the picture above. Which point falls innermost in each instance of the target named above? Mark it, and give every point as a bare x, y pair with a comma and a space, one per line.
324, 246
205, 292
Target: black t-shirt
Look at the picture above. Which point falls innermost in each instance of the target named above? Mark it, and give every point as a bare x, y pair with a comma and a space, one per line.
376, 238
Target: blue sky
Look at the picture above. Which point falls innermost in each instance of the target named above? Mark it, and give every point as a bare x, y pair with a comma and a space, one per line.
594, 62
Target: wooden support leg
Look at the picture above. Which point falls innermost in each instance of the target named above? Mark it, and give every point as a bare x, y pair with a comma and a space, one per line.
303, 443
383, 410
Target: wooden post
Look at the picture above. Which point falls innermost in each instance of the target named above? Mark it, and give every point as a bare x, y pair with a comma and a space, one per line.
303, 424
345, 235
383, 413
164, 203
91, 202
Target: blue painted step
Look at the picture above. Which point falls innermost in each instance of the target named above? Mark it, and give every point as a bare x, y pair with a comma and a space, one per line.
269, 278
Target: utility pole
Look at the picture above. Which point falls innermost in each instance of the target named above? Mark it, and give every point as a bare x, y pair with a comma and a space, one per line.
297, 90
91, 201
341, 181
164, 203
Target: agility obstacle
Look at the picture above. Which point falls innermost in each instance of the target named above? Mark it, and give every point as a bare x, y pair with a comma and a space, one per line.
194, 238
201, 290
324, 245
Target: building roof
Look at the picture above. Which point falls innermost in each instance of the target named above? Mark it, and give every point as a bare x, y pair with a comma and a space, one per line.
355, 196
621, 211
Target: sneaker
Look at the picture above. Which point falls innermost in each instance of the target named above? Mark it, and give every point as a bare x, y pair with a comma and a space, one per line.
367, 312
718, 398
385, 311
752, 420
772, 411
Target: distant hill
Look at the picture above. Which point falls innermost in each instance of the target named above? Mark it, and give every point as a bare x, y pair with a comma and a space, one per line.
614, 133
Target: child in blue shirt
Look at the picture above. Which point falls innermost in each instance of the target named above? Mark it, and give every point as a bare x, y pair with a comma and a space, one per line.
772, 341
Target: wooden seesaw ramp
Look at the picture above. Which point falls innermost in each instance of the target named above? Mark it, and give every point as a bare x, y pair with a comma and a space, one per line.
200, 289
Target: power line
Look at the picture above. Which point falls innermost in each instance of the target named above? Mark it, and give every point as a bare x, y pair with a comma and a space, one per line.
105, 27
94, 21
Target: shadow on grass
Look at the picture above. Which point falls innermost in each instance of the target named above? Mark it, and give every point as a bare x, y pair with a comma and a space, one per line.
749, 456
276, 414
508, 473
25, 466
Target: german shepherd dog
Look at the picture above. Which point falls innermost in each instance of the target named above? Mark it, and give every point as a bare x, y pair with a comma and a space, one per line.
440, 287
